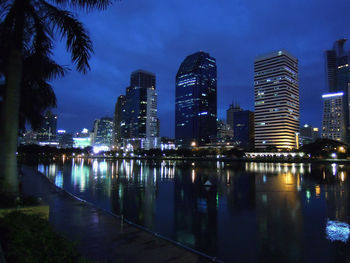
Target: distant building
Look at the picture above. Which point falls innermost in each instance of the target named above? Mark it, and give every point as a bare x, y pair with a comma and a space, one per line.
243, 128
141, 121
119, 120
65, 140
104, 132
230, 112
196, 100
224, 132
333, 123
47, 131
308, 134
337, 62
276, 96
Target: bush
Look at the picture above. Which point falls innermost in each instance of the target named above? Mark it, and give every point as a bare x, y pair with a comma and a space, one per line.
29, 238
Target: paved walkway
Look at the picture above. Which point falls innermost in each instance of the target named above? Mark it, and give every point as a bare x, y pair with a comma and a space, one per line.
100, 235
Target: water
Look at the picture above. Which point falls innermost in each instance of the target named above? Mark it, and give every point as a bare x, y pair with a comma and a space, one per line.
238, 212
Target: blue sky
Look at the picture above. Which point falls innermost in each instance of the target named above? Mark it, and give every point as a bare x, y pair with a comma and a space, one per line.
157, 35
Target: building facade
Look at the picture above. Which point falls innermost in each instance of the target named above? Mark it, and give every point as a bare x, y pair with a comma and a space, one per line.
119, 120
230, 114
196, 100
333, 123
308, 134
47, 131
276, 97
104, 132
243, 128
337, 62
139, 119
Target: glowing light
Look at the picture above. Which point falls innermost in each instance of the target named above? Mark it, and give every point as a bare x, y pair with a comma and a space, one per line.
337, 231
329, 95
342, 176
317, 190
308, 194
101, 148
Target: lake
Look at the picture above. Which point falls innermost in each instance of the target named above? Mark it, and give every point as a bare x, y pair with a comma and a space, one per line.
235, 211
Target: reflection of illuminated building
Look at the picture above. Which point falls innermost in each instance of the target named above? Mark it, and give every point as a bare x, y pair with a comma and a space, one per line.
197, 229
279, 209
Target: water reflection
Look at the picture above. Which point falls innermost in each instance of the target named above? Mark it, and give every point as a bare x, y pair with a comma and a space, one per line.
242, 212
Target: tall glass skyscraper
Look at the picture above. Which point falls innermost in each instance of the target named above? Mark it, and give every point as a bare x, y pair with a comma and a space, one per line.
337, 62
140, 120
196, 100
119, 120
276, 96
136, 103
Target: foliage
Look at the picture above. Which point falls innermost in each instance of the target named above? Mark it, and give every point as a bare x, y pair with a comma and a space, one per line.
322, 147
29, 238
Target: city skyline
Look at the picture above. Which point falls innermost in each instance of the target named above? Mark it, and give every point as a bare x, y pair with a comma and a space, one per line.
171, 33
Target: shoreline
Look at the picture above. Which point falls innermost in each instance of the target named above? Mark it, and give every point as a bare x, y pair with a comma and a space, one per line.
123, 223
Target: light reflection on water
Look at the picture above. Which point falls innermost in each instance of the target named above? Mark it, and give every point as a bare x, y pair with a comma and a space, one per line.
242, 212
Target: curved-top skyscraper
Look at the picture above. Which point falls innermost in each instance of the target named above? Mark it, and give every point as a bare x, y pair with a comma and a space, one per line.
196, 100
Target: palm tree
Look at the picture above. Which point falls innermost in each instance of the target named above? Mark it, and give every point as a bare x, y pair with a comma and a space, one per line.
27, 32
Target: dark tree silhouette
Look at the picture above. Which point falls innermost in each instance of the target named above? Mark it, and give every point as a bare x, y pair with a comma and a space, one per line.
27, 33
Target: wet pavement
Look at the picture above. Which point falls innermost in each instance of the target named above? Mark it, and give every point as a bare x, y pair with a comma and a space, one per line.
101, 236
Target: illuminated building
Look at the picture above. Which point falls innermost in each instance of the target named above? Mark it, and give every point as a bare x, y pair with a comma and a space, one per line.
64, 139
333, 123
338, 77
47, 131
276, 97
196, 100
230, 112
119, 120
308, 134
224, 132
104, 132
243, 128
82, 139
141, 122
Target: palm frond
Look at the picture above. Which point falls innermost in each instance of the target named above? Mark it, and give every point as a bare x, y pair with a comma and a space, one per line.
78, 41
86, 5
39, 97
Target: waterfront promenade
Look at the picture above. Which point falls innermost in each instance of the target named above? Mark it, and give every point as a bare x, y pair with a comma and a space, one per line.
101, 236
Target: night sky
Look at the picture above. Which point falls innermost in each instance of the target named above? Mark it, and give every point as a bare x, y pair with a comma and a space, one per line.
157, 35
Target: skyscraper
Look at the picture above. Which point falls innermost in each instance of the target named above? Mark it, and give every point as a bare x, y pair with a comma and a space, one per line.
243, 127
338, 80
196, 100
333, 123
47, 131
276, 93
140, 117
119, 120
230, 113
104, 132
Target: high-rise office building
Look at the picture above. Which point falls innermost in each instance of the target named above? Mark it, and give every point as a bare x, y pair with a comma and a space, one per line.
333, 124
337, 62
196, 100
308, 134
243, 128
104, 132
140, 116
47, 131
119, 120
230, 112
276, 96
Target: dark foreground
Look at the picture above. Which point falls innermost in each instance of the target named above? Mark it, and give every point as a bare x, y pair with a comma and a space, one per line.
100, 235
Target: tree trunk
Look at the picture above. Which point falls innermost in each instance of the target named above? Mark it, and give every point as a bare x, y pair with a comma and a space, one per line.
9, 125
